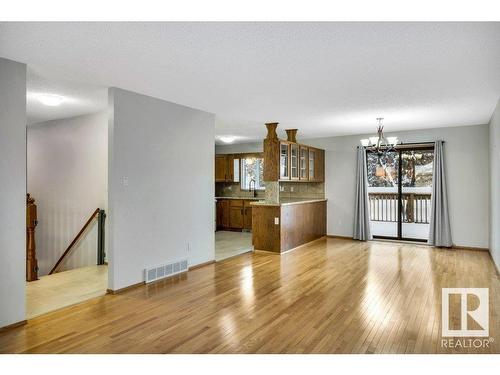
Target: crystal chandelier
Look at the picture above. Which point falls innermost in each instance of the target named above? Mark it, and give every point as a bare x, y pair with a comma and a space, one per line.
381, 146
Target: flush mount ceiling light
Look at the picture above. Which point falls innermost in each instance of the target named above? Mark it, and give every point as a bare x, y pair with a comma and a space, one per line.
50, 100
227, 139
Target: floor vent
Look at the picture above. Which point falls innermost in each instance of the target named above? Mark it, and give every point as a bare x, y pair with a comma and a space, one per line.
165, 270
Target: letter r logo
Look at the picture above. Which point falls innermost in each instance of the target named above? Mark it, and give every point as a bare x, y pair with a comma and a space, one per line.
480, 314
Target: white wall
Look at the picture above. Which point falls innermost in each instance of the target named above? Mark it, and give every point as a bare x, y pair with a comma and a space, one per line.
494, 128
467, 163
12, 191
239, 148
67, 176
166, 153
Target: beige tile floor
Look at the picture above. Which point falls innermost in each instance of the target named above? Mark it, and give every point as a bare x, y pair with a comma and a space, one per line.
66, 288
229, 244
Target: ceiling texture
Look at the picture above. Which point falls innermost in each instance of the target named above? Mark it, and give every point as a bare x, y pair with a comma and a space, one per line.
325, 79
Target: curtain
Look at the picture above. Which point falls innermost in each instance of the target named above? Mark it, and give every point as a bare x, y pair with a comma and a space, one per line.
361, 213
440, 232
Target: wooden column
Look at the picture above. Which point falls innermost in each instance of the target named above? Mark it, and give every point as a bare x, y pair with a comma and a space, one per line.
31, 221
271, 153
291, 135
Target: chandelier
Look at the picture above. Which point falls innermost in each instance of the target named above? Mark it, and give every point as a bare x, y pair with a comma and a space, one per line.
381, 146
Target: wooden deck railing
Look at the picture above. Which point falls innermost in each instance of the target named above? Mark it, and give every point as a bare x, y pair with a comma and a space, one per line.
416, 207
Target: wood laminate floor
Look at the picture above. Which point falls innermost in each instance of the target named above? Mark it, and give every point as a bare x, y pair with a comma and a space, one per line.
334, 296
52, 292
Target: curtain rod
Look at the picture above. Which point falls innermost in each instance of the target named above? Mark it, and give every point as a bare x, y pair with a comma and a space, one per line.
414, 144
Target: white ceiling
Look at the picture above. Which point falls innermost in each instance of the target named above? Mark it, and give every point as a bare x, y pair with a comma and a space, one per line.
323, 78
79, 99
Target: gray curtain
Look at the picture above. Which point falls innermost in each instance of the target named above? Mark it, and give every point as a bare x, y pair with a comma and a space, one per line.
361, 213
440, 232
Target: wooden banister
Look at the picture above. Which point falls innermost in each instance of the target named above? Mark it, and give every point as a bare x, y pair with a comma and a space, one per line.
75, 240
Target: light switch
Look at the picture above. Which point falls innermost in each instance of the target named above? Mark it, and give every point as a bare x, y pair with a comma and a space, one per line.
276, 221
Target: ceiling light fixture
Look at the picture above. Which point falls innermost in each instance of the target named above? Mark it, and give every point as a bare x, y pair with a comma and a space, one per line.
50, 100
381, 146
227, 139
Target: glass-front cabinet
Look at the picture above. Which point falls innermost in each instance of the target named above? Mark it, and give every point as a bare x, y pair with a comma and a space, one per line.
304, 158
312, 163
294, 161
284, 161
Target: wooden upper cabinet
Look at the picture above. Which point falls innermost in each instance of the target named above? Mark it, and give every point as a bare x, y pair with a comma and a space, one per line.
284, 161
294, 161
303, 163
316, 165
221, 163
312, 164
320, 166
227, 168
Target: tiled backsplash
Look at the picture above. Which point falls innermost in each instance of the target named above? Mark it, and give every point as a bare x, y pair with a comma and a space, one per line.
233, 189
300, 190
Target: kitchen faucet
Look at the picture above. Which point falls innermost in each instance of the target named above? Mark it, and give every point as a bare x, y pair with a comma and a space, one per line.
250, 187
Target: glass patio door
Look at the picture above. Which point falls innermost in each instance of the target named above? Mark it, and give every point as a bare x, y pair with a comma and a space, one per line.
416, 190
383, 194
399, 193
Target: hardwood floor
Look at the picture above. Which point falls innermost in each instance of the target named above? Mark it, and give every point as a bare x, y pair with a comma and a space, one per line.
52, 292
334, 296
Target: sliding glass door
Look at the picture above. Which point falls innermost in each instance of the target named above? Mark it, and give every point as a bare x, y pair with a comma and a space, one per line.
399, 191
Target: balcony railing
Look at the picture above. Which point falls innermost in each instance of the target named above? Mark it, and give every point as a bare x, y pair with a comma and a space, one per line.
416, 207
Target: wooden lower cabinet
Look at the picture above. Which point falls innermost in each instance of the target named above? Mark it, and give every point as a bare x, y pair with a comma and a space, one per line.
236, 217
284, 227
234, 214
247, 215
222, 214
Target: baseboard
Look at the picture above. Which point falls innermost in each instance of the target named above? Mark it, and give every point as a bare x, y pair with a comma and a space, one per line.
127, 288
293, 248
12, 326
303, 245
339, 237
133, 286
201, 265
458, 247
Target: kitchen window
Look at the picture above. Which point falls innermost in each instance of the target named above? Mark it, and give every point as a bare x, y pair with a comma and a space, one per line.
252, 169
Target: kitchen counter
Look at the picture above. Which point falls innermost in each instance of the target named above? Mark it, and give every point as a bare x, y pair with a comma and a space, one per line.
288, 202
279, 227
244, 198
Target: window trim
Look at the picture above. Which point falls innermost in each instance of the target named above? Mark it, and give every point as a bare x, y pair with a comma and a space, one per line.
243, 176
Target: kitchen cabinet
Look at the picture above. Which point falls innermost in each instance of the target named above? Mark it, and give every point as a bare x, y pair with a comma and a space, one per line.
299, 162
284, 161
247, 215
303, 163
222, 214
294, 161
221, 168
312, 164
234, 214
227, 168
316, 165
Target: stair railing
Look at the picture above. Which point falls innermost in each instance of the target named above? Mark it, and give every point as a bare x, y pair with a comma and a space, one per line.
101, 215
